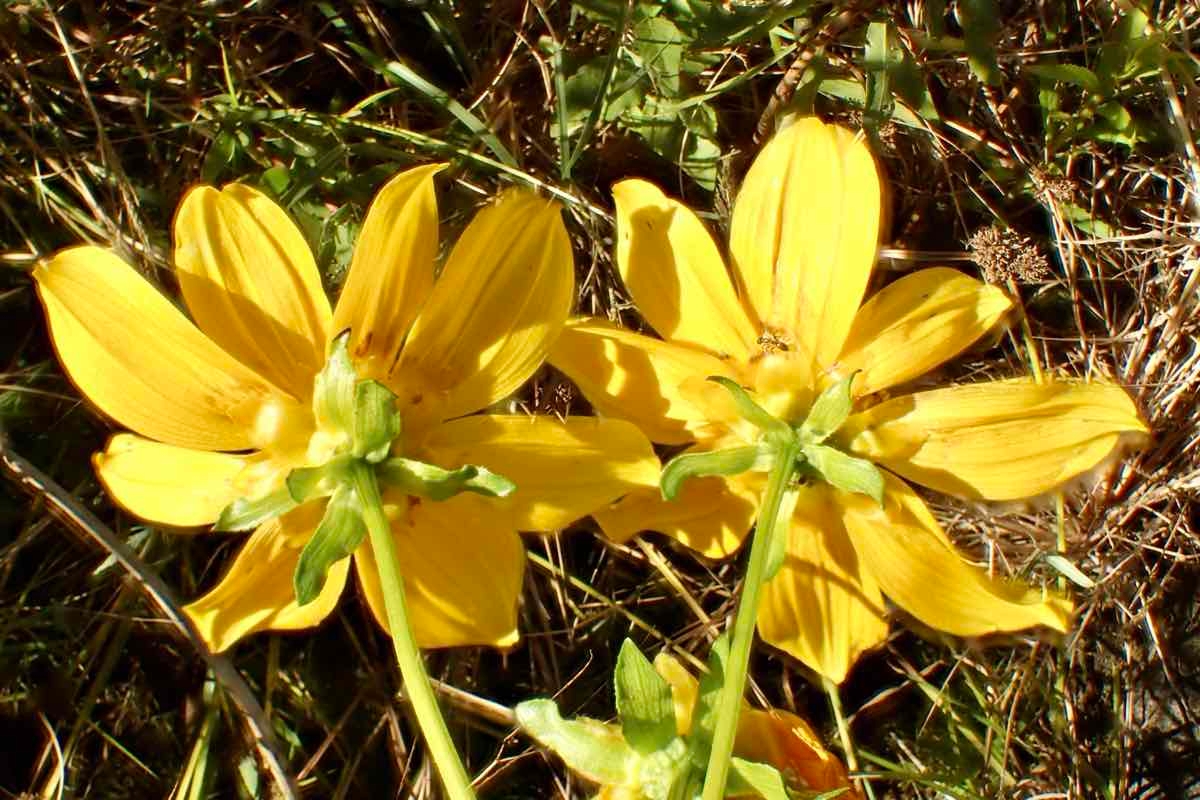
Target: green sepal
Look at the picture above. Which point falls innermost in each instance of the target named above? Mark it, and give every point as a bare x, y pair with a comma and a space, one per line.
596, 751
644, 703
333, 389
749, 410
376, 421
829, 411
308, 483
426, 480
846, 472
340, 533
779, 536
243, 514
755, 778
731, 461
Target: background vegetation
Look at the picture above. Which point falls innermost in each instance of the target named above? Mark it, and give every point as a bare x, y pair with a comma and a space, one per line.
1050, 145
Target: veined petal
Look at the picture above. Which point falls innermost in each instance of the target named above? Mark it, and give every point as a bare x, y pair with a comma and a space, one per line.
1002, 440
711, 516
462, 571
139, 359
501, 300
788, 743
685, 689
250, 281
256, 593
804, 233
644, 380
917, 323
392, 271
906, 550
167, 484
673, 269
823, 606
563, 470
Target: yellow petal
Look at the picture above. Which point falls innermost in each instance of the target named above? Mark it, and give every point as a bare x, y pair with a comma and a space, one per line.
675, 273
392, 271
917, 323
501, 300
1002, 440
804, 233
788, 743
710, 515
906, 550
823, 606
684, 689
250, 281
563, 470
140, 360
256, 593
166, 484
462, 569
638, 378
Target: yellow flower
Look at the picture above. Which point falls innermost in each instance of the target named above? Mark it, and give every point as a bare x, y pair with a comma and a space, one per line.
221, 409
789, 324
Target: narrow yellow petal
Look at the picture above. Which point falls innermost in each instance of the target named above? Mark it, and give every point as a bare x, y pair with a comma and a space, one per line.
256, 593
563, 470
673, 269
804, 234
250, 281
906, 550
167, 484
823, 606
711, 516
917, 323
392, 271
462, 571
638, 378
140, 360
1002, 440
685, 689
497, 307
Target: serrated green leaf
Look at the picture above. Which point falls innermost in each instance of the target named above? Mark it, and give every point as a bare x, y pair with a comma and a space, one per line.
829, 412
753, 777
594, 750
426, 480
846, 472
376, 421
340, 533
244, 515
731, 461
333, 389
644, 703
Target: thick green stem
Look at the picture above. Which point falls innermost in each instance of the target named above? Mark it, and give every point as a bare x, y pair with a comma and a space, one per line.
412, 669
743, 624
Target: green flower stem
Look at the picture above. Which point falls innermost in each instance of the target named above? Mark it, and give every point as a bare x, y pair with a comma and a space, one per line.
745, 617
408, 655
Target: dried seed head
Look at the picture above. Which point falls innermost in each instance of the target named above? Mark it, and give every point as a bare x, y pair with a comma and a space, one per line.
1003, 255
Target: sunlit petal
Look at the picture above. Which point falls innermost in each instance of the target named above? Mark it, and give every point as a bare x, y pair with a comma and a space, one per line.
823, 606
250, 281
788, 743
462, 570
638, 378
673, 269
804, 234
903, 546
392, 271
563, 470
139, 359
917, 323
685, 689
1002, 440
497, 307
256, 593
167, 484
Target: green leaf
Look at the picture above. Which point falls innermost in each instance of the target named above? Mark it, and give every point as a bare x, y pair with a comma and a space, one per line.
981, 28
376, 421
340, 533
878, 62
749, 410
829, 411
243, 514
426, 480
659, 46
333, 390
1069, 571
846, 472
594, 750
753, 777
1082, 77
731, 461
704, 715
644, 703
779, 537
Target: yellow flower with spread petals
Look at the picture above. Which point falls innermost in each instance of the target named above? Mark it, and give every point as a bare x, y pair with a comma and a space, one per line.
788, 324
222, 409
